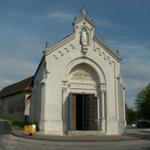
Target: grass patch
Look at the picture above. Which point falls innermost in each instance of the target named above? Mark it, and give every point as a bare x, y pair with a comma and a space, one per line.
11, 121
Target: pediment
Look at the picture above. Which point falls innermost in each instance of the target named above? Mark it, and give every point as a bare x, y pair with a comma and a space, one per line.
67, 44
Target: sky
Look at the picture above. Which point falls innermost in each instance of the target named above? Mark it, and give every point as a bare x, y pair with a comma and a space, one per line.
25, 25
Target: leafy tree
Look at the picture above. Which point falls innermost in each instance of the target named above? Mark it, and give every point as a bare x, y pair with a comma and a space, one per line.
130, 115
142, 102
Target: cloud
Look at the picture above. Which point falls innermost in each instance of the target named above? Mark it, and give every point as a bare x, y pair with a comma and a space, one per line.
137, 70
19, 60
108, 24
25, 47
134, 69
136, 76
60, 15
14, 69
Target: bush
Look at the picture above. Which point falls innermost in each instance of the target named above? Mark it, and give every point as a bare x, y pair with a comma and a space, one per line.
11, 121
18, 123
6, 116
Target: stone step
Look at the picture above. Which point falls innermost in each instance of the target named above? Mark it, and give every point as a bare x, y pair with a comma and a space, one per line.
86, 133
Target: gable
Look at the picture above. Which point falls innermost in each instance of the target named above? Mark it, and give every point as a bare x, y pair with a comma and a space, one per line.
74, 40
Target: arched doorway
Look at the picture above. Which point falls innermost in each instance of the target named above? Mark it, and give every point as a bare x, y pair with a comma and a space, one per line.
83, 107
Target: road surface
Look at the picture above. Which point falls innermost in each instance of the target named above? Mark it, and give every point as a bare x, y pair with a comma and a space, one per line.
10, 142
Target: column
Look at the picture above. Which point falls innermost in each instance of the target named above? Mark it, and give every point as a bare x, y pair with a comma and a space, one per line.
98, 109
65, 106
42, 108
103, 107
103, 110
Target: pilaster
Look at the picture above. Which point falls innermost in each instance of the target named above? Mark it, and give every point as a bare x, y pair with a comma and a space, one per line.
103, 107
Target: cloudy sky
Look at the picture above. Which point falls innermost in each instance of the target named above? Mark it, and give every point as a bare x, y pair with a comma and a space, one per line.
123, 25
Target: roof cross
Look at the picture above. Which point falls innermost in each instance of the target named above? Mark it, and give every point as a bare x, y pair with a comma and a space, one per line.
83, 11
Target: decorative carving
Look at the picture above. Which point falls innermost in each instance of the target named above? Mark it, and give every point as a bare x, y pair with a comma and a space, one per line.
55, 56
103, 87
72, 46
76, 27
65, 84
81, 75
113, 61
60, 53
84, 22
109, 59
84, 50
104, 55
67, 50
99, 51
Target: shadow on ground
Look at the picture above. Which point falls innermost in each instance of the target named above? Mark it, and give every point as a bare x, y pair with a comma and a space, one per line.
4, 128
141, 134
146, 148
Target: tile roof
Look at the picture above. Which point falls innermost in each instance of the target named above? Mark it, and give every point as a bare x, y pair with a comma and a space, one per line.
24, 85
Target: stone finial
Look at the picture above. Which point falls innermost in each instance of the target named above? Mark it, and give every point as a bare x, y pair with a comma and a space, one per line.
74, 21
83, 11
117, 52
46, 44
93, 22
45, 47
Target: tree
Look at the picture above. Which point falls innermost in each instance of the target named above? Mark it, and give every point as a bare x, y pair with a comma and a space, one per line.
130, 115
142, 102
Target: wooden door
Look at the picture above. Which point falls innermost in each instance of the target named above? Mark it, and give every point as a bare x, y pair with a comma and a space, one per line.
93, 120
72, 112
82, 112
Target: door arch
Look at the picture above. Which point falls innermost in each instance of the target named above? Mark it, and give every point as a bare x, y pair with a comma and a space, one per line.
83, 76
82, 101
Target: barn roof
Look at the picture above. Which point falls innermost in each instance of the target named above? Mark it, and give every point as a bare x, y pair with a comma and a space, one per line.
24, 85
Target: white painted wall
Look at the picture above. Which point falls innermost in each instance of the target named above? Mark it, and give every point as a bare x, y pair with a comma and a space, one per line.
36, 103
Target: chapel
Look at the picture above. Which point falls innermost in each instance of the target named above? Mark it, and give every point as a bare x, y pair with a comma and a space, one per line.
77, 87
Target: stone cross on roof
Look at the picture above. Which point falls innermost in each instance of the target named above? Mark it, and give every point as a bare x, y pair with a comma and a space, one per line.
83, 11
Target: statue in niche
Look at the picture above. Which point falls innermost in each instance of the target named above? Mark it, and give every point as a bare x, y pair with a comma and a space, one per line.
84, 38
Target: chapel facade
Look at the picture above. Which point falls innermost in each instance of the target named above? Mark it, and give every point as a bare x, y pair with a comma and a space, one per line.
77, 86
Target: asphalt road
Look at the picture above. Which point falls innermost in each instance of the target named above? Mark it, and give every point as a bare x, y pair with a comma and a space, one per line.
9, 142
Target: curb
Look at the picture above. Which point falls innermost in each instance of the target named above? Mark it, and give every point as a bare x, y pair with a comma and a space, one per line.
82, 139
